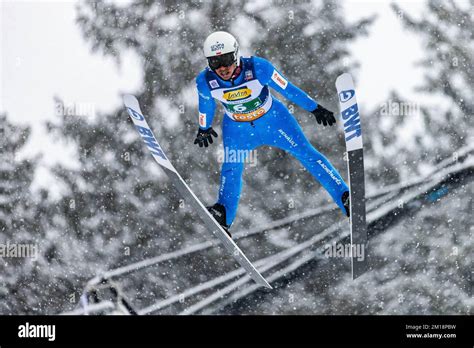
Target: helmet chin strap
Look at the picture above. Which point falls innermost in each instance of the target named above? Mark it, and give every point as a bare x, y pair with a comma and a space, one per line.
236, 72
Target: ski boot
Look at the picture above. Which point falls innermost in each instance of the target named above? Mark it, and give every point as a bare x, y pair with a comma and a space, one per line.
345, 202
218, 212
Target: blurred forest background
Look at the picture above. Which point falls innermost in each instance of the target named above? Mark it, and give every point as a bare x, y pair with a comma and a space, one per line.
118, 208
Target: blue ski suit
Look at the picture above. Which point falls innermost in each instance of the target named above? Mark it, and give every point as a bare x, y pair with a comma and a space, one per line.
254, 117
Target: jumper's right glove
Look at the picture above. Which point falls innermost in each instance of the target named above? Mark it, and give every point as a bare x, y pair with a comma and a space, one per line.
204, 136
323, 115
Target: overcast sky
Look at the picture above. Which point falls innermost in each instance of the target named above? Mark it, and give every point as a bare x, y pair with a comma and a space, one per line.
44, 55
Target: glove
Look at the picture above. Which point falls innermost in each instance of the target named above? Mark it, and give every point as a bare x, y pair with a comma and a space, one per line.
323, 115
204, 136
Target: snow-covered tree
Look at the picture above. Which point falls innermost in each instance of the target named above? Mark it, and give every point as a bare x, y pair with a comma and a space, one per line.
447, 30
20, 230
15, 178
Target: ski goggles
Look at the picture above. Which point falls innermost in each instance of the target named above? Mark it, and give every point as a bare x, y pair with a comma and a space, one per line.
224, 60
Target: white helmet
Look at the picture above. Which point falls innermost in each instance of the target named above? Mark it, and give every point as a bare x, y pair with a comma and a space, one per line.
221, 49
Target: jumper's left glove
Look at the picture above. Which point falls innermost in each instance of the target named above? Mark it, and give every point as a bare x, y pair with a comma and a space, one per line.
204, 136
323, 115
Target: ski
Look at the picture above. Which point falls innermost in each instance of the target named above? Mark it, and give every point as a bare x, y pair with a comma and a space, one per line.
355, 160
133, 108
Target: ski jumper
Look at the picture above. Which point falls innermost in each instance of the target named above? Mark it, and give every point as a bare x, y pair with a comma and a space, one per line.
253, 117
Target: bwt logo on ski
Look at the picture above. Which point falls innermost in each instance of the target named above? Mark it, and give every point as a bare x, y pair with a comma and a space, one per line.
135, 115
151, 142
346, 95
352, 122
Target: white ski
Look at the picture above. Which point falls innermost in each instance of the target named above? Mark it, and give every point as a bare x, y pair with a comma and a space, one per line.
355, 159
133, 108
